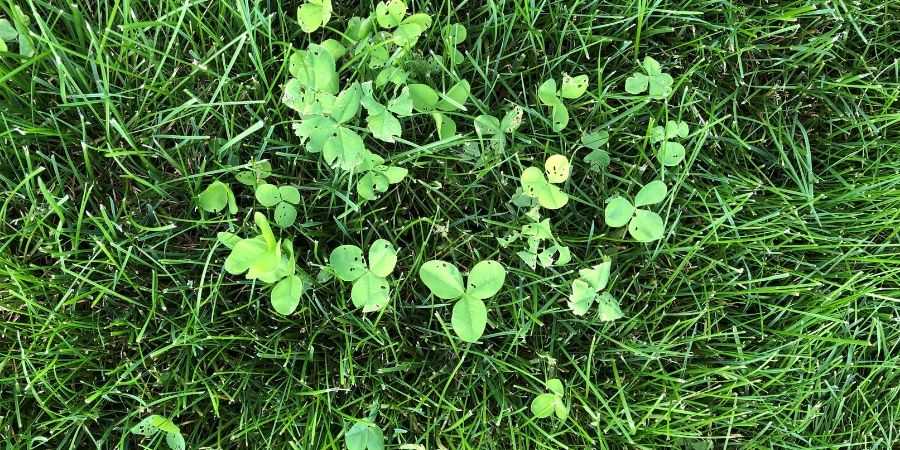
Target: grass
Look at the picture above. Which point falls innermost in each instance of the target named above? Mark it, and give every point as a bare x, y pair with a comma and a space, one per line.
767, 317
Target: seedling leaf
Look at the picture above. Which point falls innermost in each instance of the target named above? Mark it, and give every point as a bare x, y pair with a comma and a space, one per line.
370, 292
557, 168
542, 405
268, 195
314, 14
573, 87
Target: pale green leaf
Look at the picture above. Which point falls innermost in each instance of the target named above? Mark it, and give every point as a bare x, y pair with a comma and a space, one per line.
573, 87
443, 279
608, 308
469, 318
671, 153
347, 262
542, 405
651, 194
382, 258
535, 185
485, 279
646, 226
424, 98
215, 197
285, 215
267, 195
618, 212
370, 292
286, 294
389, 15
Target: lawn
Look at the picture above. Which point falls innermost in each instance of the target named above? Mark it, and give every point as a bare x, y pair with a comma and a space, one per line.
182, 242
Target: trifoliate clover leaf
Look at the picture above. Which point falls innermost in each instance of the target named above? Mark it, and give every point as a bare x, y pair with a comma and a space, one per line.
388, 15
314, 14
548, 195
653, 80
573, 87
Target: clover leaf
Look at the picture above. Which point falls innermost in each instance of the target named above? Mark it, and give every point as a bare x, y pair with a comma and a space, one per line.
536, 185
370, 289
364, 435
151, 425
548, 403
216, 196
670, 153
586, 291
653, 79
598, 158
453, 35
257, 173
314, 14
572, 88
283, 198
469, 316
643, 225
388, 15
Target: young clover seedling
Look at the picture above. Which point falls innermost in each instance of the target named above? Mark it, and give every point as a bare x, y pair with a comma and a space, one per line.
268, 260
314, 14
453, 34
554, 254
216, 196
426, 100
571, 88
670, 153
370, 287
548, 403
377, 177
154, 424
256, 174
536, 185
283, 198
469, 313
643, 225
653, 79
364, 435
598, 158
494, 129
586, 290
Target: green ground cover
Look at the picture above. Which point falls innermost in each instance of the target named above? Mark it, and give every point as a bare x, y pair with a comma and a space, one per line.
741, 187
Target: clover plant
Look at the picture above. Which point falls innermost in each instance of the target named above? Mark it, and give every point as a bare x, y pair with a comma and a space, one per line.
266, 259
541, 188
542, 185
370, 287
283, 198
216, 197
586, 290
379, 50
154, 424
548, 403
364, 435
495, 130
643, 225
452, 35
670, 152
653, 81
598, 158
255, 174
469, 313
570, 88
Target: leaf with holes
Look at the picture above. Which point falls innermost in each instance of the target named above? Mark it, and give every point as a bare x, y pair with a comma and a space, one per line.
370, 292
389, 15
557, 168
485, 279
347, 262
443, 279
314, 14
573, 87
646, 226
535, 185
382, 258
